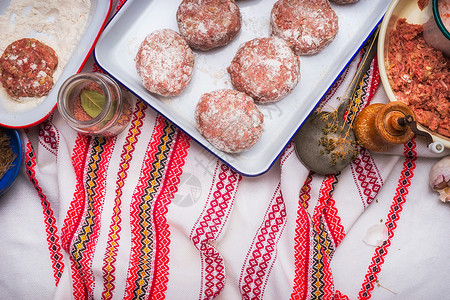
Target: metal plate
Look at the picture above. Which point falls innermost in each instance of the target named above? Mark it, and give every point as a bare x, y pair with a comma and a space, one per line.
117, 47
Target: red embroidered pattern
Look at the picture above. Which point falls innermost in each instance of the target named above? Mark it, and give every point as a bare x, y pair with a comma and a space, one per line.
120, 3
126, 156
365, 172
96, 68
366, 175
323, 242
393, 217
375, 79
142, 250
333, 222
49, 137
326, 212
49, 218
287, 152
302, 243
162, 232
79, 289
75, 212
159, 179
84, 242
170, 187
209, 227
340, 296
261, 255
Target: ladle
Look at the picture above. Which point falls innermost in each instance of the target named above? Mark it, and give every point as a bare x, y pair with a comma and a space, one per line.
326, 143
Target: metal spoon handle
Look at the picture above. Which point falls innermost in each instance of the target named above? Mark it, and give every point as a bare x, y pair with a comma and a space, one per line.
366, 61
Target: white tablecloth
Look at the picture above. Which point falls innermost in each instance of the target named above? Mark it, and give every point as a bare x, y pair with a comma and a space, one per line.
151, 214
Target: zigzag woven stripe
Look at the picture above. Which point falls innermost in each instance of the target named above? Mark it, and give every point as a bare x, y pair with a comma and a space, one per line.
364, 169
321, 280
75, 211
142, 247
302, 243
126, 156
325, 211
83, 247
208, 227
79, 288
393, 217
49, 219
333, 222
262, 253
364, 94
142, 254
170, 187
374, 80
161, 227
323, 245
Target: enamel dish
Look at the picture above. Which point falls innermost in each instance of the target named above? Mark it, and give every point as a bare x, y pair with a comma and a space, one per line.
117, 47
10, 176
400, 9
15, 118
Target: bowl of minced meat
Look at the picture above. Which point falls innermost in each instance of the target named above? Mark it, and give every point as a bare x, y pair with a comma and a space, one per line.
414, 72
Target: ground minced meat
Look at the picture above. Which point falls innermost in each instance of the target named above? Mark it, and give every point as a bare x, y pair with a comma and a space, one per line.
27, 67
420, 76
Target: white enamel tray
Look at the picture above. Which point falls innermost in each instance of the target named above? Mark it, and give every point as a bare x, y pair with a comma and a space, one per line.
22, 118
118, 45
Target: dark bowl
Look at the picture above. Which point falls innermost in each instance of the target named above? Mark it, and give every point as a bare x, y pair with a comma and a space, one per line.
10, 176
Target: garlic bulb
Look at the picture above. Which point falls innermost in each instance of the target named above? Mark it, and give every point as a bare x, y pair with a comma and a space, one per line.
440, 178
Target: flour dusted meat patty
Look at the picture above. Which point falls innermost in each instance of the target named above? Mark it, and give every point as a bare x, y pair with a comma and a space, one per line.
27, 67
207, 24
307, 25
165, 62
229, 120
265, 68
344, 1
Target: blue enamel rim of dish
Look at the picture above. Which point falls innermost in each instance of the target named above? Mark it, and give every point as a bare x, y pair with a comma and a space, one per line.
10, 176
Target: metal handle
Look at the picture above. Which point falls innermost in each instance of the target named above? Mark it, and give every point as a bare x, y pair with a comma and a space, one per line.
435, 147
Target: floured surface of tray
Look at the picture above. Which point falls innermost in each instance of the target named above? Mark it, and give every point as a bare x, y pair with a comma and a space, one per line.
14, 116
118, 45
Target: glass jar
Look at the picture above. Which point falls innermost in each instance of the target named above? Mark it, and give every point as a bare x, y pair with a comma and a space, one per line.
436, 27
93, 103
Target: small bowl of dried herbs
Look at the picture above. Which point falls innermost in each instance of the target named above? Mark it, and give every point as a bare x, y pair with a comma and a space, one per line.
10, 157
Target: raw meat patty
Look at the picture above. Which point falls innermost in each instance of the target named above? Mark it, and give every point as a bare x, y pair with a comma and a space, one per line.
27, 67
265, 68
207, 24
344, 1
229, 120
165, 62
307, 25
